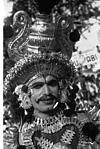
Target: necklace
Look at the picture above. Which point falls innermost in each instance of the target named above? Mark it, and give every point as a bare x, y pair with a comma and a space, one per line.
54, 123
40, 128
45, 122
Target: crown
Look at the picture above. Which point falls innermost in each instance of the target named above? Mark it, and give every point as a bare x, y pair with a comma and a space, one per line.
54, 64
40, 34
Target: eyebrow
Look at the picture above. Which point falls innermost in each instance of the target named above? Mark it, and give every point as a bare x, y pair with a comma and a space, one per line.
42, 83
36, 83
53, 80
31, 80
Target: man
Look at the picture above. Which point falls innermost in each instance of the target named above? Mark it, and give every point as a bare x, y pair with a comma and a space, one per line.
38, 84
40, 89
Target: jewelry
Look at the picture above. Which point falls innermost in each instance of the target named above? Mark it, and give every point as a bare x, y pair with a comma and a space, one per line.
52, 125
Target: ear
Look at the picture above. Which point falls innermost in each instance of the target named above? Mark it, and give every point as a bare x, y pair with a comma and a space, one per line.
63, 84
64, 95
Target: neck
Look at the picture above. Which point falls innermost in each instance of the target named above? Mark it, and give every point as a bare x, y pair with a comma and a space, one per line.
47, 114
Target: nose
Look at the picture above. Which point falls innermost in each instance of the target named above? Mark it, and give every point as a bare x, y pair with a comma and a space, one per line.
46, 89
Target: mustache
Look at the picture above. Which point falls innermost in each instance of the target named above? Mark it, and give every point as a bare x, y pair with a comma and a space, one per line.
46, 97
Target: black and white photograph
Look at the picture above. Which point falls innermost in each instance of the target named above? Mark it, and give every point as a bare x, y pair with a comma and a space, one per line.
51, 74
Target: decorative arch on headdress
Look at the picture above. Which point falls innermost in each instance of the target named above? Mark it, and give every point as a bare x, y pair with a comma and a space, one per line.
40, 35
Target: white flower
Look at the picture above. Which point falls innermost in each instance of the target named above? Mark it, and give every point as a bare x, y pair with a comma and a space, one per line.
18, 89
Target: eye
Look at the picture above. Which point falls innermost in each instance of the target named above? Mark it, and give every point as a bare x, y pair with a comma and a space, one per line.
37, 85
53, 83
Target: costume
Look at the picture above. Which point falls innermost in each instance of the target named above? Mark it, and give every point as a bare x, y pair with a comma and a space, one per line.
60, 131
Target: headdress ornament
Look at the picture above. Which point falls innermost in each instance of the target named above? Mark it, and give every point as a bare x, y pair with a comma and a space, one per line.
39, 46
40, 34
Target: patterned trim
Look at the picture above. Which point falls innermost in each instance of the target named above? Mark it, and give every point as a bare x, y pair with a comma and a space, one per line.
68, 136
45, 143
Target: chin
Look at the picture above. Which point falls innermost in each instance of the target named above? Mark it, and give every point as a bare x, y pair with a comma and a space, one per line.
47, 108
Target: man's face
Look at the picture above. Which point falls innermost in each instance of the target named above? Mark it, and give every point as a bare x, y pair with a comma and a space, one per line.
44, 93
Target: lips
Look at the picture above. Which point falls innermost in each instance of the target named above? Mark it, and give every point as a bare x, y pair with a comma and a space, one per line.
48, 101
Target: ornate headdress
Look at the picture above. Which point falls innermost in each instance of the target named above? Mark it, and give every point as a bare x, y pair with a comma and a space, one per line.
40, 46
39, 64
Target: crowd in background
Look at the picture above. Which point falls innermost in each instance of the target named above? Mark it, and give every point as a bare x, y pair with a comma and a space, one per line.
88, 95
